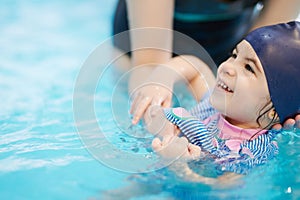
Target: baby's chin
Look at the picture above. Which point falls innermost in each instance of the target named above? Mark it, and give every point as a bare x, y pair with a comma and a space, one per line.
216, 102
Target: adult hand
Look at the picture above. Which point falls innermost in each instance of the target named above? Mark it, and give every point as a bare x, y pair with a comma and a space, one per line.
151, 94
157, 90
289, 124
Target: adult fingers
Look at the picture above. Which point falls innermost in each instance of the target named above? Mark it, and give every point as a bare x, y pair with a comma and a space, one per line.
277, 127
289, 124
167, 102
140, 109
297, 118
136, 99
157, 101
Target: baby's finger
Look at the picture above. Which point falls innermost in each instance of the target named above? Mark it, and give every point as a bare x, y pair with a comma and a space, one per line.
140, 109
194, 151
156, 144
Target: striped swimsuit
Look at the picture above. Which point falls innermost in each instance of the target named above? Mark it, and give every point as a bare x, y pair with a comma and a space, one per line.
234, 149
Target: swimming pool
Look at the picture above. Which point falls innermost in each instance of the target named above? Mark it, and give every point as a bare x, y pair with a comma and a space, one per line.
43, 47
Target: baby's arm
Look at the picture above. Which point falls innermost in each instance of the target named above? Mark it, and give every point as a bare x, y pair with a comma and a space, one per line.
181, 151
203, 81
223, 181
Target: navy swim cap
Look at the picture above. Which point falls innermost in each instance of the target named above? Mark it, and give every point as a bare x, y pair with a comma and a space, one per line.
278, 48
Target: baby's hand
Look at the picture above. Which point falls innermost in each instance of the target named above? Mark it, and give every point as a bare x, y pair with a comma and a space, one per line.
157, 124
289, 124
177, 147
149, 95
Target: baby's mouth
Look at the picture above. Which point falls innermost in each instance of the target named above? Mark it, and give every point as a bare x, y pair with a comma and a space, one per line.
225, 87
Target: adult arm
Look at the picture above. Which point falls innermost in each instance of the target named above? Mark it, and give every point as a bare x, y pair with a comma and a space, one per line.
191, 69
150, 23
278, 11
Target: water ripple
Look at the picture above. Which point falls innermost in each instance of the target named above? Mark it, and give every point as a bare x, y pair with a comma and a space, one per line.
13, 163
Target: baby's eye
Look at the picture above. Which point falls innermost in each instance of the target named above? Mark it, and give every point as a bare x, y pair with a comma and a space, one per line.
249, 68
234, 55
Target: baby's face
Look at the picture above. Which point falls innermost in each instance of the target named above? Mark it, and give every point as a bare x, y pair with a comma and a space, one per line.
241, 91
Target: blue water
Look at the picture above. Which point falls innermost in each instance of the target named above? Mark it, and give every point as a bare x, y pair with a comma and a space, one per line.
43, 46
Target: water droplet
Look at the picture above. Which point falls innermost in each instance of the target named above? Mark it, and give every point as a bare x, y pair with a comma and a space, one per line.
288, 190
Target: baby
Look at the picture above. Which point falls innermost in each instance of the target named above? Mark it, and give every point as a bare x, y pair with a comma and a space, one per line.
257, 87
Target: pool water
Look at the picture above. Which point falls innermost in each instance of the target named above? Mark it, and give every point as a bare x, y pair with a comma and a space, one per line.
43, 46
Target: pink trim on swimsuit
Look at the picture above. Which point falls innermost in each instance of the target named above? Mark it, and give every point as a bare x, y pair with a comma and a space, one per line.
233, 135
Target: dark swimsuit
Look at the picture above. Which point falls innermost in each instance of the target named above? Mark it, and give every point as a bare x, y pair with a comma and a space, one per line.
218, 25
